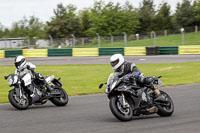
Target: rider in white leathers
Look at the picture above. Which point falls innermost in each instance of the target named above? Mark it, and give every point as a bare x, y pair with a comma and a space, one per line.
23, 67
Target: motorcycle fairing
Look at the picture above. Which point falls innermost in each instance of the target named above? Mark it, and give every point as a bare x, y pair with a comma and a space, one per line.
27, 79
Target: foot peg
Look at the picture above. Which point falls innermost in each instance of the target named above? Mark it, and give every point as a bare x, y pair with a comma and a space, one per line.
153, 109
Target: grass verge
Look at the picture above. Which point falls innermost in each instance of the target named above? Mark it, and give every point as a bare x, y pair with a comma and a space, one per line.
170, 40
84, 79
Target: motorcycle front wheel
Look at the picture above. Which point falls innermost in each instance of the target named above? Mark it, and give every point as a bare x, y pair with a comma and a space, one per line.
17, 102
62, 100
166, 109
119, 111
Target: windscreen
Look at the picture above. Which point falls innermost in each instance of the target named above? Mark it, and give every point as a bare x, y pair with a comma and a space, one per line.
160, 83
111, 77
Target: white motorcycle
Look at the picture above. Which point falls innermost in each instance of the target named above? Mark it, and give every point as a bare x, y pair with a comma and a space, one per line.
44, 89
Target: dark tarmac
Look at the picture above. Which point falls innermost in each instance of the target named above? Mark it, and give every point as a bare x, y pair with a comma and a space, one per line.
91, 114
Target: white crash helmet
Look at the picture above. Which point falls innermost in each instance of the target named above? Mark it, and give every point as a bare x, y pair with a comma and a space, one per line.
20, 61
116, 61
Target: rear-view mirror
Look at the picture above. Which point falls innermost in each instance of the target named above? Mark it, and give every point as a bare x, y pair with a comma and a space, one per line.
101, 85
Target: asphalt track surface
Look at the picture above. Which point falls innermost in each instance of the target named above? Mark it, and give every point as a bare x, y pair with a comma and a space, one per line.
91, 114
105, 60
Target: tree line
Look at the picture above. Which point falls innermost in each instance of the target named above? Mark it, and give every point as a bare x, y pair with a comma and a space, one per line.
107, 19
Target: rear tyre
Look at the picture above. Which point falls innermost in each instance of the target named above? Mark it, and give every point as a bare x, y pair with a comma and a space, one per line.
62, 100
166, 109
18, 103
121, 113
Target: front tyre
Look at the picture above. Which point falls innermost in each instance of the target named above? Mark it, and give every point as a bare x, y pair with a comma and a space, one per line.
62, 100
166, 109
119, 111
17, 102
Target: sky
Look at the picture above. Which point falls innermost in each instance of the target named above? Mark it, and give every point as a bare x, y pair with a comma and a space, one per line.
14, 10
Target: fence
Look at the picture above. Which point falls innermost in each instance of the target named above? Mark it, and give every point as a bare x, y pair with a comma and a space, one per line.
14, 42
127, 51
154, 38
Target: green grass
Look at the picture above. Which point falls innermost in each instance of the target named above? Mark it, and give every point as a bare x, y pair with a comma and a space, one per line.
84, 79
171, 40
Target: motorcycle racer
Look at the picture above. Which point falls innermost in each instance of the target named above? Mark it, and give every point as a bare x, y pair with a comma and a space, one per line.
23, 67
119, 64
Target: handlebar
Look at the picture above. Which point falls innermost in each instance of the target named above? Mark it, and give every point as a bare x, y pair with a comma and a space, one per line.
6, 77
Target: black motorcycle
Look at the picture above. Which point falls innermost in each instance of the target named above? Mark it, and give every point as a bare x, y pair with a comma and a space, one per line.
129, 98
44, 89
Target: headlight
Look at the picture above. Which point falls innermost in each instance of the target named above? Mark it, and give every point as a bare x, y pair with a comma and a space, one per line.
113, 85
10, 81
15, 79
107, 90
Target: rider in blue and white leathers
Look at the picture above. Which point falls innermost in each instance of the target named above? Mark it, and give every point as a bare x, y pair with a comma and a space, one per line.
120, 65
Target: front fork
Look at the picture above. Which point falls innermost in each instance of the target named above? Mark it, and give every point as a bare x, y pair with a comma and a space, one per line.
123, 100
19, 91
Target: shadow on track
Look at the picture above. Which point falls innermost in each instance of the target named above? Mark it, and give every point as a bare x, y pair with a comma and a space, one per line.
33, 107
135, 118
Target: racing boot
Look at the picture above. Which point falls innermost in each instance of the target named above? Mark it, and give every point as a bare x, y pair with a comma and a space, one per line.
153, 109
159, 96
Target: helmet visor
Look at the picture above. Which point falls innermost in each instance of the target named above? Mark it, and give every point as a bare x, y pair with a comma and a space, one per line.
113, 63
17, 64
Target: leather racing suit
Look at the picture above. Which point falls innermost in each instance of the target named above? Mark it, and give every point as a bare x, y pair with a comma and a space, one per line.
27, 68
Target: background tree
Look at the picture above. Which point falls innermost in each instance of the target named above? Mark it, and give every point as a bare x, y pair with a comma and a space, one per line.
1, 31
64, 23
130, 19
197, 11
162, 20
113, 19
103, 18
31, 27
184, 16
85, 22
107, 19
146, 12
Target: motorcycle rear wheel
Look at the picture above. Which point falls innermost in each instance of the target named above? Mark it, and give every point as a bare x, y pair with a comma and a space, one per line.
120, 113
61, 101
17, 102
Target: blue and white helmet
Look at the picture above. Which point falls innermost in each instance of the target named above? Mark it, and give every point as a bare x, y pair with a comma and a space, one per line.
116, 61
